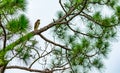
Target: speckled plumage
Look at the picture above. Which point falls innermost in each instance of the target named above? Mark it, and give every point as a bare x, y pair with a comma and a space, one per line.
36, 25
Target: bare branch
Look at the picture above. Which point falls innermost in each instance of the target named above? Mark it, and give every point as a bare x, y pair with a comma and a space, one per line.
66, 48
81, 10
95, 21
39, 58
5, 17
24, 68
45, 50
61, 69
4, 44
69, 62
34, 70
62, 6
82, 33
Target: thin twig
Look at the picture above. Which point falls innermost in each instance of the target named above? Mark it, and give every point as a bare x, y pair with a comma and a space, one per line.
39, 58
66, 48
69, 62
5, 17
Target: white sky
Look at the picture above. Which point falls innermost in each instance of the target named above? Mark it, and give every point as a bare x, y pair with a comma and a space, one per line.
46, 10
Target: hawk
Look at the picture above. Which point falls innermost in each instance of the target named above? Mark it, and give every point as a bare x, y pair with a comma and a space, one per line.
36, 25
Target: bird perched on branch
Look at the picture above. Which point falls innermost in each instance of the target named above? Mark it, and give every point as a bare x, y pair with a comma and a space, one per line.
36, 25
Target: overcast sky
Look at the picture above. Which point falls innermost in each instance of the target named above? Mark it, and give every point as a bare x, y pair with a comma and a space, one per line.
46, 10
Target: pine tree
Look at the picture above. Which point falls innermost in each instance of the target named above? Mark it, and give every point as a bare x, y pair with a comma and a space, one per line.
83, 32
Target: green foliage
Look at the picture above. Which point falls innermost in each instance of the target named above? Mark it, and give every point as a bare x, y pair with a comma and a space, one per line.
102, 29
1, 31
12, 6
67, 5
78, 1
17, 25
57, 51
99, 43
74, 2
98, 63
24, 53
71, 39
60, 14
97, 16
60, 31
17, 42
77, 48
14, 25
34, 42
118, 12
85, 43
113, 3
3, 62
87, 48
60, 58
78, 54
